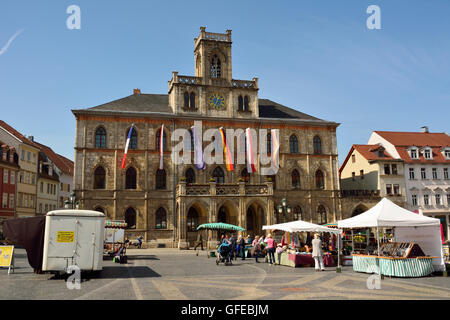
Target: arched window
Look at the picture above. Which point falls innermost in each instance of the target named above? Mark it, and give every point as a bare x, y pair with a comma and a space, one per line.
245, 175
293, 144
269, 143
161, 219
192, 220
192, 100
133, 138
295, 179
246, 103
190, 176
219, 175
158, 139
240, 103
100, 138
320, 183
160, 179
130, 178
298, 213
317, 145
216, 68
321, 214
130, 218
186, 100
99, 178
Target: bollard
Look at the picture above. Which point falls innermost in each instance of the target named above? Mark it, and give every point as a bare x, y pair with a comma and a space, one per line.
338, 269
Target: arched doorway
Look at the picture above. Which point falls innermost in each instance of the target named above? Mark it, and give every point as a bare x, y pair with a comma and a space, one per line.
196, 215
255, 219
222, 215
359, 209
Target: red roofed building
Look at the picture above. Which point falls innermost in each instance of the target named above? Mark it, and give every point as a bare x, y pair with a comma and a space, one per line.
426, 158
8, 172
370, 169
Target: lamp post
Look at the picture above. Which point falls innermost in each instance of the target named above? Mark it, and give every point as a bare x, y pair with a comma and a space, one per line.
71, 203
284, 208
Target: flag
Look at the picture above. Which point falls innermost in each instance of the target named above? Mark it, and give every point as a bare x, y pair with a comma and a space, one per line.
226, 151
161, 148
250, 159
126, 146
199, 160
275, 148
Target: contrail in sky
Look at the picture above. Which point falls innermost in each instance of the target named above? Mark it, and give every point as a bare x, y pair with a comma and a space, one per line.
3, 50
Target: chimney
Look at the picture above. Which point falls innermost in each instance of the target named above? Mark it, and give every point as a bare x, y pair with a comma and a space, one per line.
31, 138
424, 129
136, 91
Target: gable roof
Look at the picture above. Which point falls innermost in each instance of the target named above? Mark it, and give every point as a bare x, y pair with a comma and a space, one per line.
403, 140
17, 134
56, 159
159, 103
369, 152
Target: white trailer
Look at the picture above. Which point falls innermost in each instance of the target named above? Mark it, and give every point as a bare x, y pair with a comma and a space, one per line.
73, 238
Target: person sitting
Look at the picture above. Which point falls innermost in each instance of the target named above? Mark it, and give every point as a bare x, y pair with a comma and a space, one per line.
308, 248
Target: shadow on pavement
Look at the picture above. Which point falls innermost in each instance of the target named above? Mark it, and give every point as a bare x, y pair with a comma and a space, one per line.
142, 257
125, 272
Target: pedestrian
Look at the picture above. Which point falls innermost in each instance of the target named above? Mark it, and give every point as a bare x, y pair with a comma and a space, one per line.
242, 246
233, 246
270, 248
139, 239
199, 241
256, 248
317, 253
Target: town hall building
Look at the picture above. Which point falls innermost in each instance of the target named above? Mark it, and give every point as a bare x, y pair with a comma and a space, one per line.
166, 205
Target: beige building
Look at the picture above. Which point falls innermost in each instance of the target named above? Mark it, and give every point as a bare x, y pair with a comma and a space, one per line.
167, 205
47, 186
370, 170
27, 154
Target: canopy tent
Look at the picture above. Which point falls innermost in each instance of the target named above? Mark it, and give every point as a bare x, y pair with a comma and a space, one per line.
386, 214
299, 226
115, 224
220, 226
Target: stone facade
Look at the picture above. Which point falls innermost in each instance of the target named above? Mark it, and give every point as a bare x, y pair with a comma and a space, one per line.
219, 101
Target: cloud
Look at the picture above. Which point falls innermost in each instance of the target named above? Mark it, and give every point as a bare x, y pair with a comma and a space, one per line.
3, 50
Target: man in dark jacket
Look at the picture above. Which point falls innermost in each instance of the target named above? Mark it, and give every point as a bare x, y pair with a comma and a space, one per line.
242, 246
233, 246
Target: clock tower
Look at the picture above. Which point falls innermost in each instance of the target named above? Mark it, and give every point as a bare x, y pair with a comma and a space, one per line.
213, 91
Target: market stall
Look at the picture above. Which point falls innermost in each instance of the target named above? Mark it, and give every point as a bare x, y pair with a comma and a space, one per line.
295, 256
219, 226
114, 243
415, 249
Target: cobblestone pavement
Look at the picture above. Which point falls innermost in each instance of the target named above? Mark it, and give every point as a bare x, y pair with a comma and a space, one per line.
172, 274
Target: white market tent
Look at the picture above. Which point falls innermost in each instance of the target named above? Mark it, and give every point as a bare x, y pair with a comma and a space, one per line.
386, 214
303, 226
408, 226
299, 226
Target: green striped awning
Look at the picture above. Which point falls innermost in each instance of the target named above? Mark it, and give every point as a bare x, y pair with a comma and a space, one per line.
115, 224
220, 226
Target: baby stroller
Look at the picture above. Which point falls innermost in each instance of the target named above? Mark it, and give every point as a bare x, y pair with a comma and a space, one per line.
224, 254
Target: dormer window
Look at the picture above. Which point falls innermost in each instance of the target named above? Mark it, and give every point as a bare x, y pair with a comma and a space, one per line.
427, 153
414, 153
446, 153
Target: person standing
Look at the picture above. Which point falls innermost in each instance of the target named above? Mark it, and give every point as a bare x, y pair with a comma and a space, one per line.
317, 253
270, 248
256, 248
199, 241
242, 246
233, 246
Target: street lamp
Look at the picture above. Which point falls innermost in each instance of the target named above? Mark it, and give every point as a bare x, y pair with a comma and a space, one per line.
284, 208
71, 204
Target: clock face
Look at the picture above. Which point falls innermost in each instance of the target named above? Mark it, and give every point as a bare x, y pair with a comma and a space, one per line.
216, 101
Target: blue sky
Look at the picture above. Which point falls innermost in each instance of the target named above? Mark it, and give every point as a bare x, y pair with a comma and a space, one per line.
315, 56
